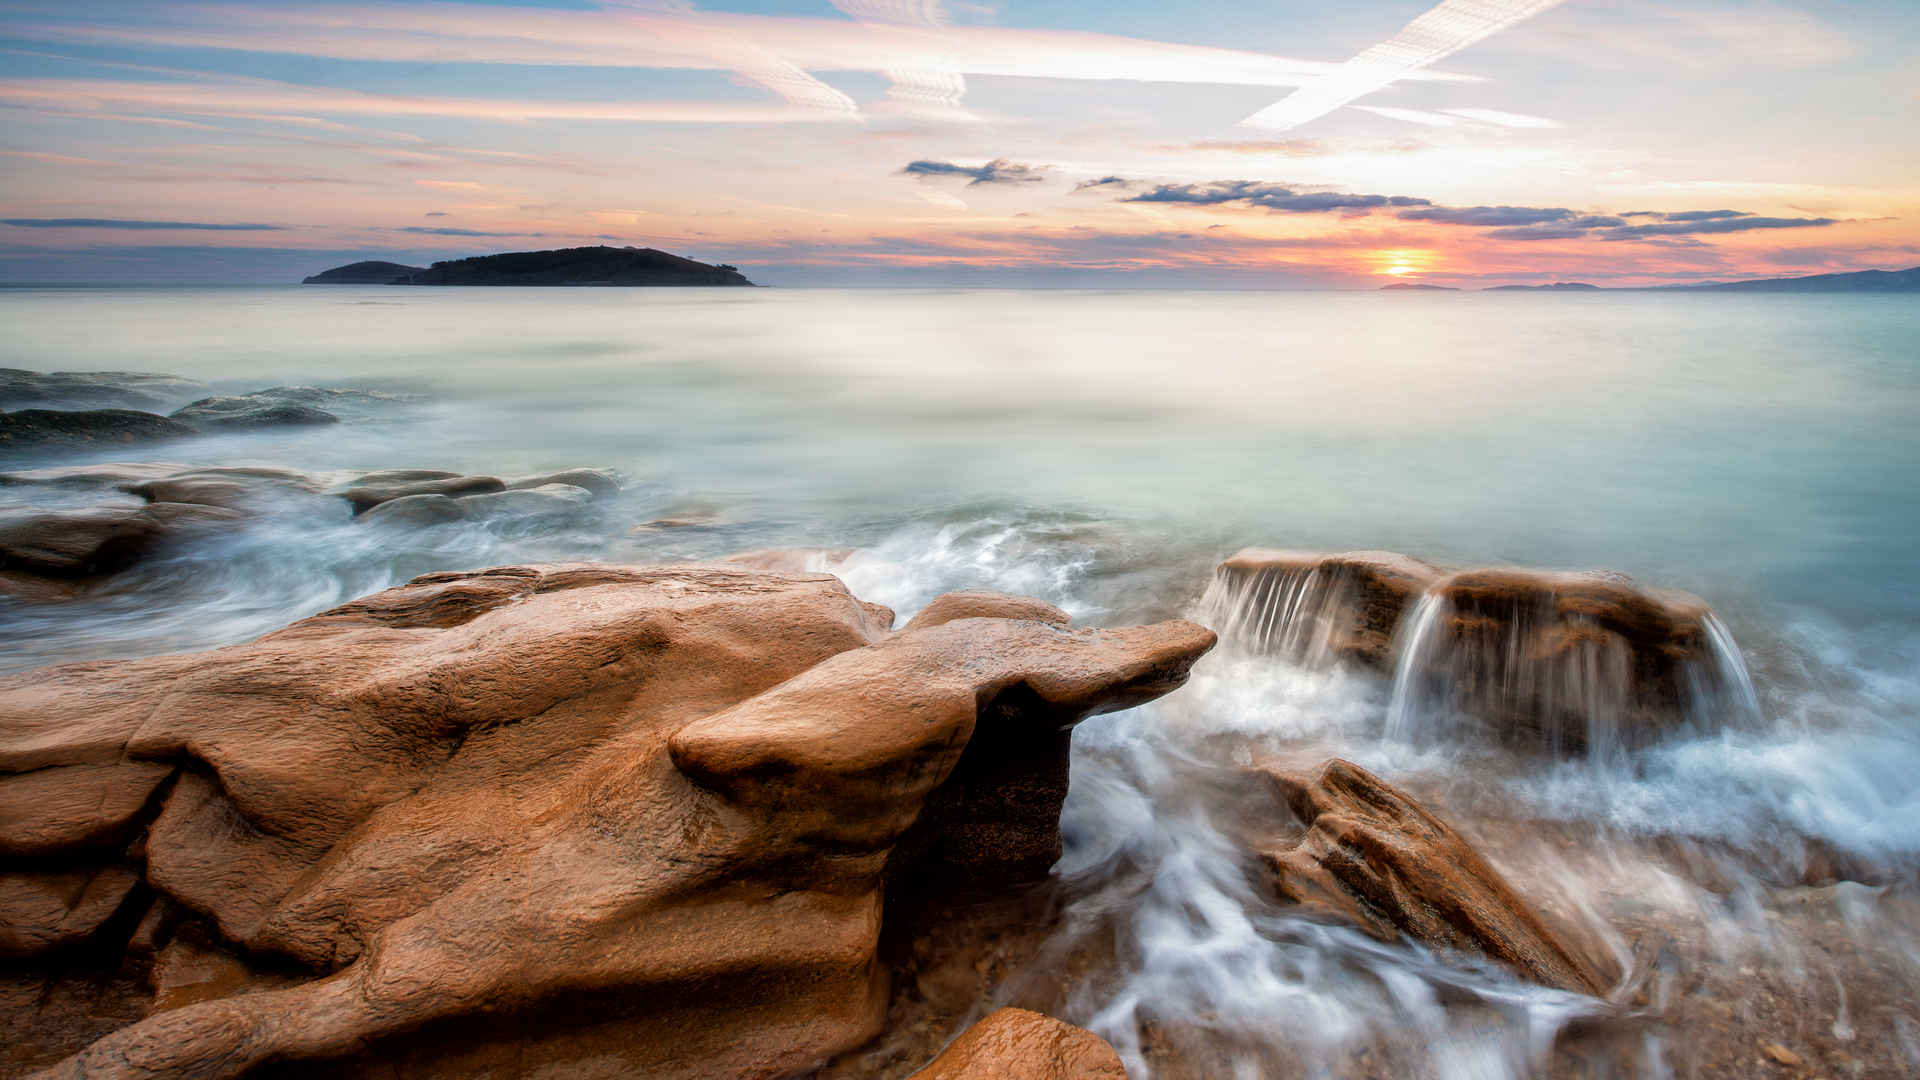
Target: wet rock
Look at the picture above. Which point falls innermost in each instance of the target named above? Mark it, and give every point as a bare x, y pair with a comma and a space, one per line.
1570, 661
1015, 1044
90, 477
95, 390
238, 414
244, 489
415, 511
601, 483
1312, 607
364, 496
97, 540
45, 428
1371, 856
389, 477
43, 910
545, 501
625, 820
791, 560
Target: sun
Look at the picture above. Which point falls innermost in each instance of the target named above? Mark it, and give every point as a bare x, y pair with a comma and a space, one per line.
1399, 262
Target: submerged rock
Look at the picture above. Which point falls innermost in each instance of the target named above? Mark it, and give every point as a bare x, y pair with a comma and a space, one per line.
598, 481
141, 391
49, 428
632, 820
1015, 1044
1312, 607
97, 540
364, 496
1371, 856
283, 406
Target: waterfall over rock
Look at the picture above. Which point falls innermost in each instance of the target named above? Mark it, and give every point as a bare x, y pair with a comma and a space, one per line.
1576, 662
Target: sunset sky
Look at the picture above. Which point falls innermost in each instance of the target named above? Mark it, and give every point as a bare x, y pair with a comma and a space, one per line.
932, 142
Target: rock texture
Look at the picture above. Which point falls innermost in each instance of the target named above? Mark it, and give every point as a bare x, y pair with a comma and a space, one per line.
30, 429
1015, 1044
136, 390
1315, 607
1370, 855
569, 820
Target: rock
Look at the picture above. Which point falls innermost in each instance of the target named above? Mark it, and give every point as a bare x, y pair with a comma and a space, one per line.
1015, 1044
75, 807
45, 428
231, 414
1782, 1056
1315, 608
248, 490
601, 483
43, 910
547, 500
986, 605
572, 819
97, 540
284, 405
95, 390
791, 560
1371, 856
372, 272
364, 496
1570, 661
415, 511
107, 475
389, 477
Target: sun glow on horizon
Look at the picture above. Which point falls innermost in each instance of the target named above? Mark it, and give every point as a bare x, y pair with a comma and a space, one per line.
1400, 262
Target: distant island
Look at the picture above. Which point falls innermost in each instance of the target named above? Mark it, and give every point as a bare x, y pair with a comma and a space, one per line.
1907, 280
566, 266
1860, 281
362, 273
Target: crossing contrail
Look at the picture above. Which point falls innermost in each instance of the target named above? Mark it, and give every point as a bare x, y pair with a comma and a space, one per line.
1446, 29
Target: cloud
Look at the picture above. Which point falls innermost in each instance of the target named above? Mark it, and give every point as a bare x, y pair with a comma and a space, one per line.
1688, 215
1557, 223
121, 223
1489, 215
997, 171
427, 231
1434, 35
1120, 183
436, 213
1743, 223
1268, 197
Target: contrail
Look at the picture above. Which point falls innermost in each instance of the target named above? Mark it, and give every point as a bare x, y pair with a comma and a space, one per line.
1435, 35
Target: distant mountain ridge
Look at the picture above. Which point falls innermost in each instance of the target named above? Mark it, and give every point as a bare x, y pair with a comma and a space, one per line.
1907, 280
564, 266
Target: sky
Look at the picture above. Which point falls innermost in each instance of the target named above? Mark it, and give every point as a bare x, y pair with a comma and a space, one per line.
1027, 143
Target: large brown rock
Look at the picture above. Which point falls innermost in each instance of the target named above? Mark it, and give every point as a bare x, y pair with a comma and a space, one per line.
1369, 855
97, 540
1314, 607
581, 820
1015, 1044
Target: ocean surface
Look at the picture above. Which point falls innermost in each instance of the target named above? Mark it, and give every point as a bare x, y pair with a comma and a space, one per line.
1102, 451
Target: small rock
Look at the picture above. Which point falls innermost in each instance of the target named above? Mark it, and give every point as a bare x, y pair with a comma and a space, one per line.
1782, 1055
598, 481
365, 497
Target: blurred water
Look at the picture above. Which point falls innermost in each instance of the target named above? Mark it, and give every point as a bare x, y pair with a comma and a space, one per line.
1102, 450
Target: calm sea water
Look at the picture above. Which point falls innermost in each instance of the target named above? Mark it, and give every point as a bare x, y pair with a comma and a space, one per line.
1102, 450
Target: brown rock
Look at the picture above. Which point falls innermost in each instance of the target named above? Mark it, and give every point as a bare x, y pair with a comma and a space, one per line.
1371, 856
80, 806
1015, 1044
1313, 607
598, 481
42, 910
235, 488
96, 540
613, 820
104, 475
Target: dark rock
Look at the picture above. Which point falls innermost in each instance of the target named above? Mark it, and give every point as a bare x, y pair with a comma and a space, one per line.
245, 489
229, 414
577, 266
108, 475
415, 511
48, 428
364, 497
95, 390
96, 540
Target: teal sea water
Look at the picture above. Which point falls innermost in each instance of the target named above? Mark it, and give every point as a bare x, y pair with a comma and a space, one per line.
1102, 450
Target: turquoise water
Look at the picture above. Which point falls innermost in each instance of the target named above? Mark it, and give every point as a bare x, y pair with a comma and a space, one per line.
1102, 450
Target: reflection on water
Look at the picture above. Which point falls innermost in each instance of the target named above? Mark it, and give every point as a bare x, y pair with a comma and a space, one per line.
1102, 451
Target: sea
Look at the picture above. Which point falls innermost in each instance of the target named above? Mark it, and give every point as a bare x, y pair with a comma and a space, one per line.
1103, 451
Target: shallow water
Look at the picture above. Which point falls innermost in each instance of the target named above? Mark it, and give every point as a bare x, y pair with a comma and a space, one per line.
1102, 450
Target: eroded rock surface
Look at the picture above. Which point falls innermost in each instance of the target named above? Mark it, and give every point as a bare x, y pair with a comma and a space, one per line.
1369, 855
1016, 1044
612, 820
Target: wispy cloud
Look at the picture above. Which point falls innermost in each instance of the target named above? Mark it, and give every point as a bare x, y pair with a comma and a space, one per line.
997, 171
1435, 35
1265, 196
124, 223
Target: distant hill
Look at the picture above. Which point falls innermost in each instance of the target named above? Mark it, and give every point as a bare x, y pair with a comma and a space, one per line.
362, 273
576, 266
1558, 286
1415, 285
1872, 281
